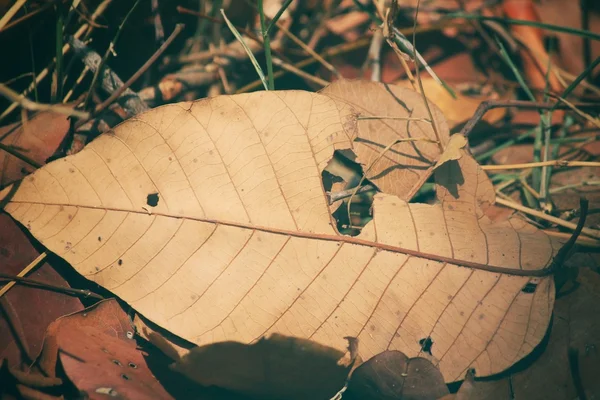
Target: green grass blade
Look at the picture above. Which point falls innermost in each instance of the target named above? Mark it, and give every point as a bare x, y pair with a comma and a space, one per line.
237, 35
578, 80
267, 46
515, 70
59, 42
278, 15
508, 143
510, 21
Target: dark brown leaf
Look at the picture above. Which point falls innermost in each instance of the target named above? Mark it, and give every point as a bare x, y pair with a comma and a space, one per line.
392, 375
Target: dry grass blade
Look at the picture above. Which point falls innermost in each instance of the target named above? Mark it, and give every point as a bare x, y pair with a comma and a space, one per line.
255, 63
24, 272
11, 13
551, 163
33, 106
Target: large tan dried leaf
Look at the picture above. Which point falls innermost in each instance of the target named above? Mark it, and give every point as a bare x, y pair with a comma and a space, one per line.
241, 243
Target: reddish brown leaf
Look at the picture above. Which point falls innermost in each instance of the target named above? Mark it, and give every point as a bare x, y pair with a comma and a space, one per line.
26, 312
535, 60
99, 355
37, 139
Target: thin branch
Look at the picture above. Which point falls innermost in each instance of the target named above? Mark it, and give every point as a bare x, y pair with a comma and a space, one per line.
420, 82
109, 50
10, 150
24, 272
132, 103
307, 49
33, 106
68, 290
44, 73
565, 224
369, 117
565, 250
488, 105
296, 71
117, 93
344, 194
27, 16
550, 163
11, 13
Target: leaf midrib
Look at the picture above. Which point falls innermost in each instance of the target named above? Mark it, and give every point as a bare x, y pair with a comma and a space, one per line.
319, 236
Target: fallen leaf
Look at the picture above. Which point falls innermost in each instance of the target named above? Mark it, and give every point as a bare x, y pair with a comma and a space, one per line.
276, 367
26, 311
238, 241
453, 150
571, 47
37, 139
534, 56
98, 353
392, 375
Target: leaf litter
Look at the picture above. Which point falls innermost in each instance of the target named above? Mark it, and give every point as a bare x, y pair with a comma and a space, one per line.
350, 186
241, 243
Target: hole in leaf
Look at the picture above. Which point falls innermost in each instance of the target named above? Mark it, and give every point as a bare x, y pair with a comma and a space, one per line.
132, 365
529, 288
125, 377
120, 262
426, 344
152, 199
117, 362
341, 175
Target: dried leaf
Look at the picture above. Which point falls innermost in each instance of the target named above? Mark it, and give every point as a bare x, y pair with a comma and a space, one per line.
392, 375
99, 355
37, 139
26, 311
453, 149
211, 220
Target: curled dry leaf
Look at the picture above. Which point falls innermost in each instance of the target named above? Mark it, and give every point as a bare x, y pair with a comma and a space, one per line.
37, 139
391, 375
453, 150
210, 219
